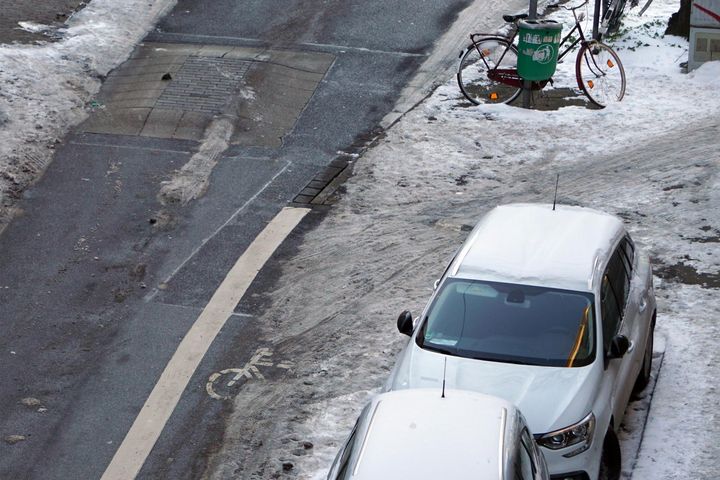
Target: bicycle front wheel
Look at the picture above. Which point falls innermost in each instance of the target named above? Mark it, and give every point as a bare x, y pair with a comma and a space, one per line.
600, 75
480, 58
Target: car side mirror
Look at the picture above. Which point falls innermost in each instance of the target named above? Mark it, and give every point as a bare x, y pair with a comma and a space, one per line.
405, 323
436, 284
619, 346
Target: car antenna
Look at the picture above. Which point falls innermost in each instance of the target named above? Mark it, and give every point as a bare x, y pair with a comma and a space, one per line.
557, 180
444, 370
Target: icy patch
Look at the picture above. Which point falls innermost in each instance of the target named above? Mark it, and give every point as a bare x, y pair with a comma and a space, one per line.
33, 27
326, 417
192, 180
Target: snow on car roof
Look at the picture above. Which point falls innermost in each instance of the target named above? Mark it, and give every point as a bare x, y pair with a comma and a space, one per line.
536, 245
418, 434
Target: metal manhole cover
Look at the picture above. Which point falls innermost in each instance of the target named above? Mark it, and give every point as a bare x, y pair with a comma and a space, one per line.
203, 84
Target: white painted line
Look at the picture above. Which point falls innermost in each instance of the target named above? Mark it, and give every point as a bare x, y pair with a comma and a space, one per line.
287, 46
129, 147
153, 416
218, 230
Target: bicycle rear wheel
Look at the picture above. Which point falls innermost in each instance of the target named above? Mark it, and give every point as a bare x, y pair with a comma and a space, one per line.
478, 59
600, 74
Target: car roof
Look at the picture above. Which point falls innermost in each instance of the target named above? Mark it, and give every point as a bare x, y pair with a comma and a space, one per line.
536, 245
421, 435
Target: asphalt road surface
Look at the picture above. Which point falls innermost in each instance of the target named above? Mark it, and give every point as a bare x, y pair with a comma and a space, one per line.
100, 280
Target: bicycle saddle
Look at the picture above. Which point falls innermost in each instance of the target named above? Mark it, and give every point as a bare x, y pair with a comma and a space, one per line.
512, 18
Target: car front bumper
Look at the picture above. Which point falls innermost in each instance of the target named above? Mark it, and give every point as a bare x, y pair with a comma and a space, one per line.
583, 466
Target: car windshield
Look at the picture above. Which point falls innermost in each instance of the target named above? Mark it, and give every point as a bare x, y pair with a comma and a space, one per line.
510, 323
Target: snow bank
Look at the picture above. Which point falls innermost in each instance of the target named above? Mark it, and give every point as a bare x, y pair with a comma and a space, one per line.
44, 89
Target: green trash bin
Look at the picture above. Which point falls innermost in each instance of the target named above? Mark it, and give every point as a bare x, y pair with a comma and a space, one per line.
538, 48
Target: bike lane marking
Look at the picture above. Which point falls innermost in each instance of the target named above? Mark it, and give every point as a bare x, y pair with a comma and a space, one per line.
148, 425
248, 372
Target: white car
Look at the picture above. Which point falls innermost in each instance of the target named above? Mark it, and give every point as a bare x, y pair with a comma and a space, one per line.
552, 309
431, 434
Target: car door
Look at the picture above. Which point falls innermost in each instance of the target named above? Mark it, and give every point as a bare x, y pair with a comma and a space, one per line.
637, 305
618, 284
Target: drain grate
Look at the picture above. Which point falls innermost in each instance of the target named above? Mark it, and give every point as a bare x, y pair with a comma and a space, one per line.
322, 188
203, 84
326, 187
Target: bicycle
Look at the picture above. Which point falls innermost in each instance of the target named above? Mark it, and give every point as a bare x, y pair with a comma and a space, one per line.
612, 14
488, 67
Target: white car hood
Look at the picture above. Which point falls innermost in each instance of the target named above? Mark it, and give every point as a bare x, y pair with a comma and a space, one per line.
549, 397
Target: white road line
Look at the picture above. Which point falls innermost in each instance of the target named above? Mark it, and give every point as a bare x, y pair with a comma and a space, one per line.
205, 240
129, 147
153, 416
287, 46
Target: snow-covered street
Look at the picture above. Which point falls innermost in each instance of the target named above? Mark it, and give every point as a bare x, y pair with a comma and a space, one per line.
653, 160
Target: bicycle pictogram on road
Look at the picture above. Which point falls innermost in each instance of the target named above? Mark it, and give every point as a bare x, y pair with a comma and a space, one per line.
225, 384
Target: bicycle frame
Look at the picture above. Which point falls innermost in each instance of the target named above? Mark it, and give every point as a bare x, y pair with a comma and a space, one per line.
580, 39
489, 74
509, 76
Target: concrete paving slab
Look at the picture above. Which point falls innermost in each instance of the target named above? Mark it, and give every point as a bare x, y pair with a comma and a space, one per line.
204, 80
149, 63
287, 97
161, 123
112, 87
258, 133
192, 125
312, 62
148, 68
127, 121
138, 78
244, 53
115, 105
288, 76
135, 94
155, 50
214, 50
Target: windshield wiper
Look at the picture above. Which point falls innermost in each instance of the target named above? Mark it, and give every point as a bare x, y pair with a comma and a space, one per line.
502, 360
433, 348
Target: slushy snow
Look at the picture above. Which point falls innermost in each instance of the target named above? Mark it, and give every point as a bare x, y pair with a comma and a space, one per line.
651, 159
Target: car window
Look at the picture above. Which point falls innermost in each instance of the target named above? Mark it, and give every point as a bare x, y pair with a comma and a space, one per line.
510, 323
627, 254
619, 279
525, 469
343, 458
629, 248
610, 312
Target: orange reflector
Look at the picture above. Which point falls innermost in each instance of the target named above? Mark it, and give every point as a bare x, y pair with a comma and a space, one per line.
610, 64
493, 96
590, 84
486, 52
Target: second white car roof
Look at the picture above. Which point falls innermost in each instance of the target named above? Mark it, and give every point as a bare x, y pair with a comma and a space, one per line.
420, 435
536, 245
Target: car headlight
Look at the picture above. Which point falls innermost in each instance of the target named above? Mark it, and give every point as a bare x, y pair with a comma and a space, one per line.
580, 434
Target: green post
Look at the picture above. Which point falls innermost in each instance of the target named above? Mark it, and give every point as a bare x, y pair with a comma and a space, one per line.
527, 84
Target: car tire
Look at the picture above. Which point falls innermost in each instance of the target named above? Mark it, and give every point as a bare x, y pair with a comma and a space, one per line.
610, 461
643, 377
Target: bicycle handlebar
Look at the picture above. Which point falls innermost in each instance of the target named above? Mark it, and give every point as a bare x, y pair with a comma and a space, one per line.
576, 6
